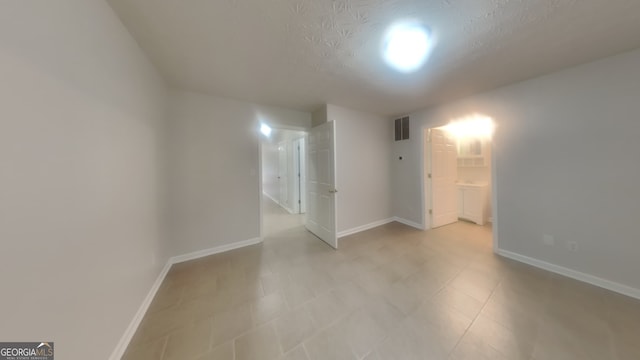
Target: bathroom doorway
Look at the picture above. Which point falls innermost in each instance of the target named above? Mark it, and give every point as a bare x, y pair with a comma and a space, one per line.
459, 173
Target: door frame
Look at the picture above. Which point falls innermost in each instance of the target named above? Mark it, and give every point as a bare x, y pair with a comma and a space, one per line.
283, 178
300, 168
260, 139
426, 189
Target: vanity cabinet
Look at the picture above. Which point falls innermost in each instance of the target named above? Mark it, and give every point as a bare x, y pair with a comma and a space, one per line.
472, 202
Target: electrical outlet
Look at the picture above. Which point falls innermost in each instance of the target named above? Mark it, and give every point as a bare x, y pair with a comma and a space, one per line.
548, 239
572, 246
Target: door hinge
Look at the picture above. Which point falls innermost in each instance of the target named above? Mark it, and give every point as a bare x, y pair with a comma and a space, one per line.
299, 202
429, 176
430, 211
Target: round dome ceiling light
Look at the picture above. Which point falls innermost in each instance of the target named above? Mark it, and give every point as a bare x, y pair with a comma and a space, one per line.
406, 46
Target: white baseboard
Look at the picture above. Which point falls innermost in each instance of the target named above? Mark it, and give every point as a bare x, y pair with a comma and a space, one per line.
278, 203
214, 250
137, 318
368, 226
271, 198
408, 223
577, 275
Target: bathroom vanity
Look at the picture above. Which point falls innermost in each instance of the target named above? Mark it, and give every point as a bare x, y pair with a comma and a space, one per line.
473, 202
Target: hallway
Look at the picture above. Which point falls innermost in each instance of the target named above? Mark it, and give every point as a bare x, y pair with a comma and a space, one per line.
277, 220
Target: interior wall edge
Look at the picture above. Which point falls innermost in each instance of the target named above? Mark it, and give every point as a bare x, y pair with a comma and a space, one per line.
574, 274
126, 338
413, 224
364, 227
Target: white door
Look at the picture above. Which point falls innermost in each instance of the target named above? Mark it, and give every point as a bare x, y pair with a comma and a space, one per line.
444, 173
283, 175
299, 159
321, 191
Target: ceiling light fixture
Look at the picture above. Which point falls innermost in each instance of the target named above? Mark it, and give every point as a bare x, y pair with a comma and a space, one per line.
265, 130
472, 126
406, 46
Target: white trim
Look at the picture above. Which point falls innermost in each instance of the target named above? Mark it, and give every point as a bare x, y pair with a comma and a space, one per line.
277, 203
137, 318
361, 228
425, 188
260, 188
336, 186
409, 223
574, 274
214, 250
271, 198
494, 196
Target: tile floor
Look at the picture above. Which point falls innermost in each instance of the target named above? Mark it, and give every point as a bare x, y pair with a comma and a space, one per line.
389, 293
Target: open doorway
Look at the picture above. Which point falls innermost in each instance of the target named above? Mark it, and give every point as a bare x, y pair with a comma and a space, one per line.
283, 180
459, 173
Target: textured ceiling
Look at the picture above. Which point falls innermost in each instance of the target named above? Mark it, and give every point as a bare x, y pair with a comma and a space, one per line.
303, 53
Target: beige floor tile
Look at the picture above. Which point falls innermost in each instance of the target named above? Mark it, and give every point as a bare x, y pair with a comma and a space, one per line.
230, 324
385, 314
204, 286
326, 309
299, 353
510, 344
330, 343
391, 292
474, 285
274, 282
151, 350
404, 297
351, 294
415, 343
258, 344
373, 355
297, 294
624, 350
294, 327
519, 319
450, 297
473, 347
168, 295
268, 308
363, 332
220, 352
449, 322
160, 323
189, 342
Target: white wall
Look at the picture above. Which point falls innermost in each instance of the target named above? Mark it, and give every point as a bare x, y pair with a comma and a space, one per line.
270, 169
81, 127
319, 116
363, 144
565, 151
214, 168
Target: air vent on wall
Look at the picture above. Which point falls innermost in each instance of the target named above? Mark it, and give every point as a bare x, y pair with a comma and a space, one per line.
402, 128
